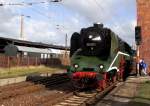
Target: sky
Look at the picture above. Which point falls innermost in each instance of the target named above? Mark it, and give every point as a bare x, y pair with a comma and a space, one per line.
49, 22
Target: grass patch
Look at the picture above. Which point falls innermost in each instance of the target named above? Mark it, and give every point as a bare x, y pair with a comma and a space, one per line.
22, 71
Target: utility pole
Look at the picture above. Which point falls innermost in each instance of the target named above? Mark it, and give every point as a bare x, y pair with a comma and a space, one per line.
21, 27
65, 54
66, 40
138, 40
65, 57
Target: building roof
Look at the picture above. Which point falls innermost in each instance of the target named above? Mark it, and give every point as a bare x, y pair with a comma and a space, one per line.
32, 49
55, 51
5, 41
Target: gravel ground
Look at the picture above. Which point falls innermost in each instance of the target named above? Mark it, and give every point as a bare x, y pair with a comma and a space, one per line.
32, 95
32, 99
15, 86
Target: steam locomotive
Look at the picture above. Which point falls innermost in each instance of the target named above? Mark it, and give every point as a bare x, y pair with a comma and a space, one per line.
98, 57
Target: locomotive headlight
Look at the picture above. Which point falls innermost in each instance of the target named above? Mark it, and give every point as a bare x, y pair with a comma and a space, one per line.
76, 65
97, 39
90, 36
101, 66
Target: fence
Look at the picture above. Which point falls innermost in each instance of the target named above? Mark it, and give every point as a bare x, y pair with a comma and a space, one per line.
7, 61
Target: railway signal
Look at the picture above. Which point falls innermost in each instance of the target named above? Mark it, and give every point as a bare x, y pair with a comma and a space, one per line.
138, 37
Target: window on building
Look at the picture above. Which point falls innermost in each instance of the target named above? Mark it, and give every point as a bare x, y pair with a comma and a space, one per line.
51, 55
42, 56
48, 56
25, 53
45, 56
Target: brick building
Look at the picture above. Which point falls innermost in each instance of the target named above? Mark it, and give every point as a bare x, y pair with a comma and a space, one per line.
143, 20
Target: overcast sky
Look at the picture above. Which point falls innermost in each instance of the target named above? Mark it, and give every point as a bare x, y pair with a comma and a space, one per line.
49, 22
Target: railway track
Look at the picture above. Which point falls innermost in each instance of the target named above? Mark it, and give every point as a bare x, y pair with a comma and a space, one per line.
49, 81
38, 98
35, 85
87, 98
58, 92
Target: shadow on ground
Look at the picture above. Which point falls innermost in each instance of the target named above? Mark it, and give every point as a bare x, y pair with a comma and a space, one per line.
114, 103
58, 82
143, 102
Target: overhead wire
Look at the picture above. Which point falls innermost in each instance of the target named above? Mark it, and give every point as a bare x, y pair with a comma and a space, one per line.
58, 26
22, 3
28, 4
33, 9
44, 2
112, 18
99, 6
40, 13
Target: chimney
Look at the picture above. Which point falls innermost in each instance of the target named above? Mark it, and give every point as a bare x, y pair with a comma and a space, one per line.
98, 25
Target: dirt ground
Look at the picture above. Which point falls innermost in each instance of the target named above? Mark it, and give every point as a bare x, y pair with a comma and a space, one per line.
124, 93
